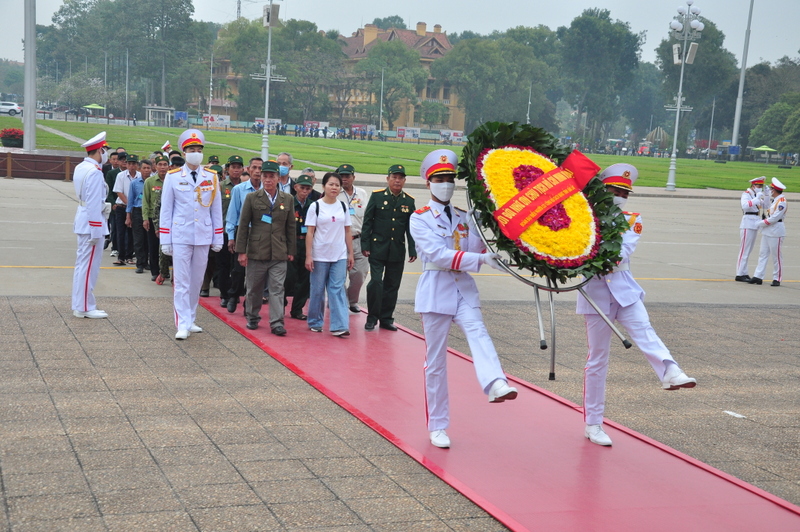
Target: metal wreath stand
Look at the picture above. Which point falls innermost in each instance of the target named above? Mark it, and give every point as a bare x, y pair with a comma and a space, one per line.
551, 288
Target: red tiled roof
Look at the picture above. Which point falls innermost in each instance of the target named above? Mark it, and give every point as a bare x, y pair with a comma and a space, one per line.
431, 46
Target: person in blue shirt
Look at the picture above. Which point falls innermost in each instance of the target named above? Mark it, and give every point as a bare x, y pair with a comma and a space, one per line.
232, 222
134, 219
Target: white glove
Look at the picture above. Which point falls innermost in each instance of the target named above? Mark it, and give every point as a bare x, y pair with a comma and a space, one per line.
166, 249
493, 260
94, 241
217, 248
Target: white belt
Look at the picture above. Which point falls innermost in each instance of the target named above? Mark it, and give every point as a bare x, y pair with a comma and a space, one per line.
624, 267
429, 266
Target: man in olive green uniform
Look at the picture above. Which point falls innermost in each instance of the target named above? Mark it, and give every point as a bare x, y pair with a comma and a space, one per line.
234, 168
383, 237
152, 191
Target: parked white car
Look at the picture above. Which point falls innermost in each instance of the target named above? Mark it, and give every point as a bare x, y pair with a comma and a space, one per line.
10, 108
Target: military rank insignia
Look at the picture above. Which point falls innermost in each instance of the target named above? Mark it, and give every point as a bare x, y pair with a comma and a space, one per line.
404, 208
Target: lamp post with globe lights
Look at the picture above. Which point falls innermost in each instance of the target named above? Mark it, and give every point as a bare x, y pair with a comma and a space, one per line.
685, 27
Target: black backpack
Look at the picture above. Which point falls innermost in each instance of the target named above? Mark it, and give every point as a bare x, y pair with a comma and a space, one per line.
316, 206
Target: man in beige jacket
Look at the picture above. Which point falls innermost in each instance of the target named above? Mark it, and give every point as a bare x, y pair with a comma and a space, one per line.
266, 241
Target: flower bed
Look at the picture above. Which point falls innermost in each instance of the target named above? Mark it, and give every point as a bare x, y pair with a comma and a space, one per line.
12, 137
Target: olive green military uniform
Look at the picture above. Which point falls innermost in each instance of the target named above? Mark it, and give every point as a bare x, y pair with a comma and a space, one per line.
152, 191
384, 235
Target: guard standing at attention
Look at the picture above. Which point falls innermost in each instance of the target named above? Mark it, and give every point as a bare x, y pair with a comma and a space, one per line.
90, 225
620, 298
383, 242
190, 223
773, 229
449, 246
752, 203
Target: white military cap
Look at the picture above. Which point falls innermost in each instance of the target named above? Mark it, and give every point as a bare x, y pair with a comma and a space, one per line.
758, 180
777, 184
438, 162
96, 142
191, 137
620, 175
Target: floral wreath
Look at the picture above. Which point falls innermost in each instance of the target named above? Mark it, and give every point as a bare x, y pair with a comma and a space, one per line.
579, 236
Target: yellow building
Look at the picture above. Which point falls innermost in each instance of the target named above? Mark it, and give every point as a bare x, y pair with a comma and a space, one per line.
431, 45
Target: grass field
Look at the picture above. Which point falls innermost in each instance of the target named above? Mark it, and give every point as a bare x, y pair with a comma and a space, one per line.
375, 157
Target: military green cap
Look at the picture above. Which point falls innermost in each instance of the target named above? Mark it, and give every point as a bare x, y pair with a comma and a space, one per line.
397, 169
236, 159
345, 169
270, 166
160, 158
133, 158
304, 180
213, 159
217, 168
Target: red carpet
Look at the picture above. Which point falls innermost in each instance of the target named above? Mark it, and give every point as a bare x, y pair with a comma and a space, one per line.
525, 462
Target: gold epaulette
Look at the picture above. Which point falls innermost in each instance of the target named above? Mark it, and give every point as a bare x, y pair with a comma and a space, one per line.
174, 170
378, 190
409, 195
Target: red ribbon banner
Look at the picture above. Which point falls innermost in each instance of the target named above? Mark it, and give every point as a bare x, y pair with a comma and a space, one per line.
550, 189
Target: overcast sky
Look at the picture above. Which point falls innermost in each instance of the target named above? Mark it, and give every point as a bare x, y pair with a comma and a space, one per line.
774, 29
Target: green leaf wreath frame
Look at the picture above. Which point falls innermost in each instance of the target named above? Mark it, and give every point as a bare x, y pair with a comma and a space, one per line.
612, 223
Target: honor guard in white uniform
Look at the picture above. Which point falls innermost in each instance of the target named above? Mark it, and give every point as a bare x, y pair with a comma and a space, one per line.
449, 246
620, 298
91, 226
752, 202
773, 229
190, 223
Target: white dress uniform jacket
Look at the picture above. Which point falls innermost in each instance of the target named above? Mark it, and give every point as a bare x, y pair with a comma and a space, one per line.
751, 203
773, 225
444, 264
91, 191
188, 214
773, 229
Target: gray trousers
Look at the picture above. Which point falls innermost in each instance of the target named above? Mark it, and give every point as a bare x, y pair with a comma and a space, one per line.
357, 275
258, 274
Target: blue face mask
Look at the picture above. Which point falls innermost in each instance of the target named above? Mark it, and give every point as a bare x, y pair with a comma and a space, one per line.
284, 170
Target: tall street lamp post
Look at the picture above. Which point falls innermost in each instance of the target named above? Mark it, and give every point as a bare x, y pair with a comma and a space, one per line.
685, 27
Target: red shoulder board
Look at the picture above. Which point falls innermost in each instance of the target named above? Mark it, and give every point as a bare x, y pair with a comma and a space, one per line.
424, 209
630, 213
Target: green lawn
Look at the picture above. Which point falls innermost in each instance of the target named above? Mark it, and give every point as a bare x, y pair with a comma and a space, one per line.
375, 157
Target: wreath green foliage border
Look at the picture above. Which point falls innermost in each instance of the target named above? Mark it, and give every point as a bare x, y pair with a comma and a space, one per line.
492, 135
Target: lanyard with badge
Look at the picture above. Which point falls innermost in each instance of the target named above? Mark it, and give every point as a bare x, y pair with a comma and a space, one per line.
267, 218
350, 200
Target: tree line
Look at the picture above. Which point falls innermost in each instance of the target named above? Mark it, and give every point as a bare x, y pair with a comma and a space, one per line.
585, 80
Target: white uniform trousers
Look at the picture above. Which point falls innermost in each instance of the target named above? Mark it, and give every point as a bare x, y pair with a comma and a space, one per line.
487, 366
87, 266
357, 274
770, 245
748, 240
189, 266
636, 321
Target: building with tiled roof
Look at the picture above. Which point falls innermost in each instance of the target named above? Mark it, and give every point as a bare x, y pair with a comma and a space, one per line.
431, 46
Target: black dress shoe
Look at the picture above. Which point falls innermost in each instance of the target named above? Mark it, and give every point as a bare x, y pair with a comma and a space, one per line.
755, 280
301, 317
354, 309
146, 267
232, 302
139, 270
370, 326
279, 331
775, 283
204, 293
388, 326
252, 325
742, 278
223, 302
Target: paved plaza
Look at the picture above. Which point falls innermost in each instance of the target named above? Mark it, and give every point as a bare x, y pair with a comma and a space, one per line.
113, 425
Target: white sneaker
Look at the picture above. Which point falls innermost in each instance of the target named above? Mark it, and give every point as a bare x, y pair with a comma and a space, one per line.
94, 314
183, 334
674, 378
113, 253
501, 391
439, 439
195, 328
597, 435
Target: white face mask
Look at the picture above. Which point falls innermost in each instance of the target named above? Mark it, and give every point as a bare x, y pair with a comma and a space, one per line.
620, 202
195, 158
103, 156
443, 191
